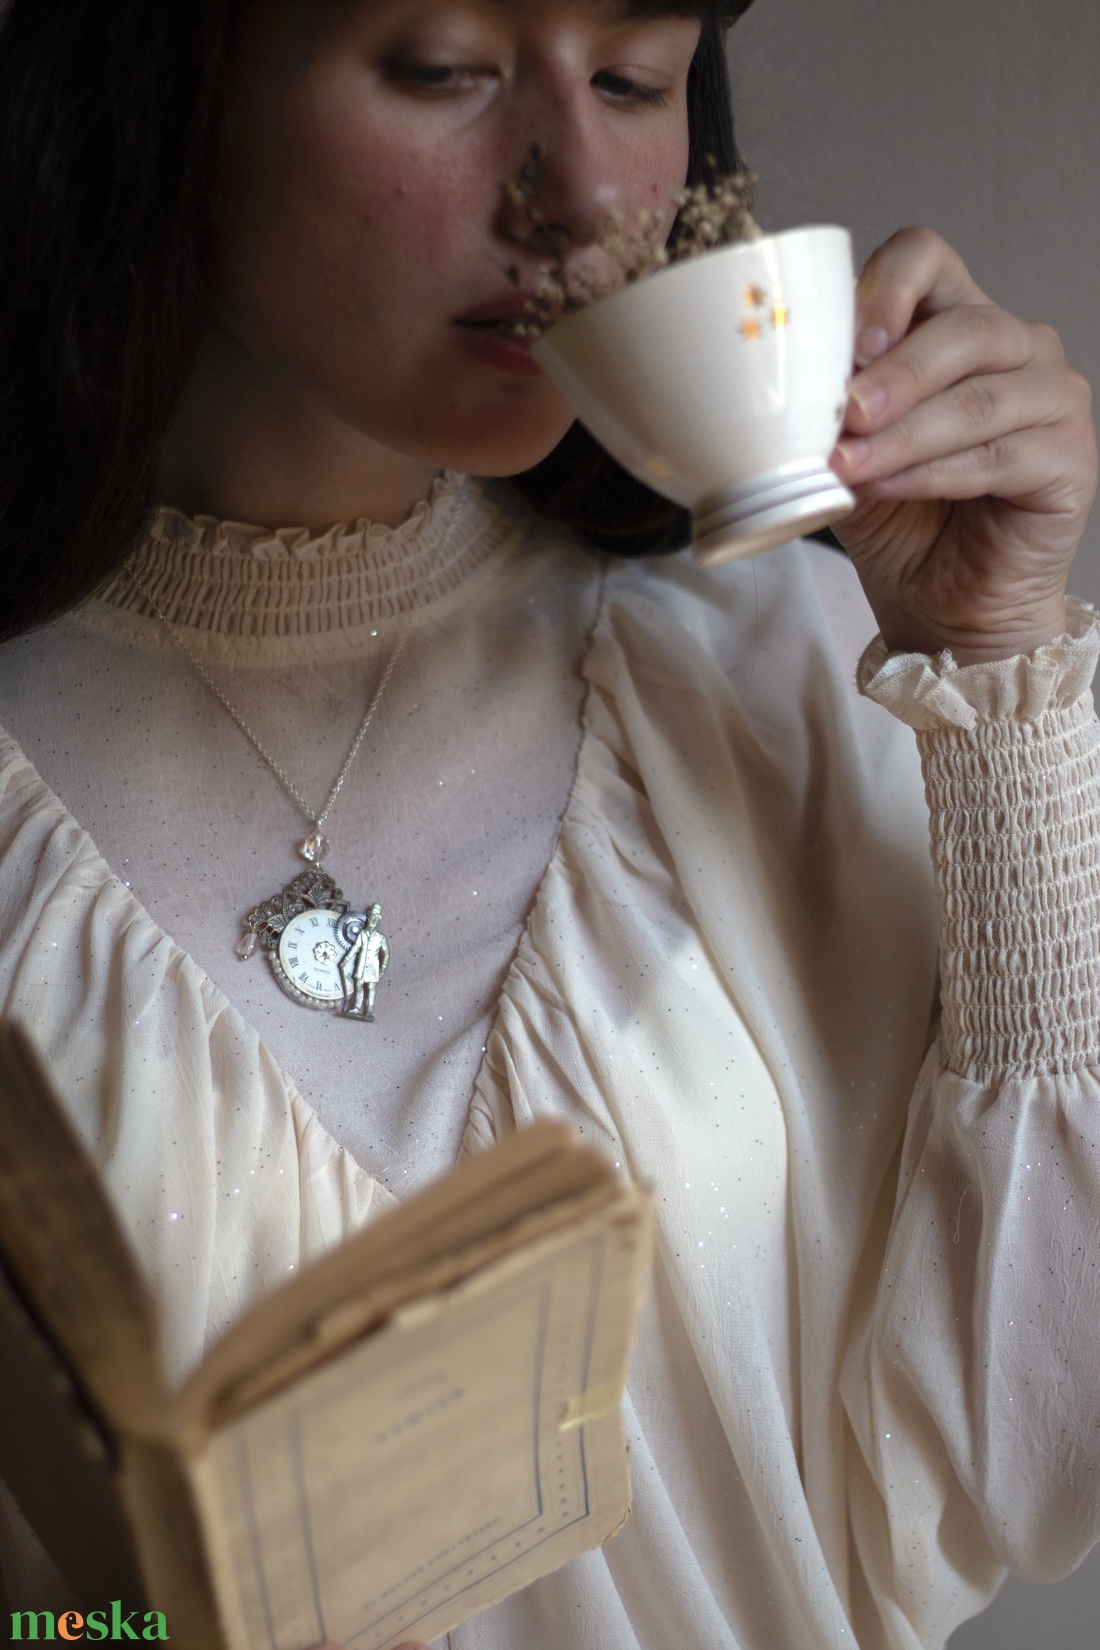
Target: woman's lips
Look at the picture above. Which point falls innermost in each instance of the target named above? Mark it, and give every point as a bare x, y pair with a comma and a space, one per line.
487, 332
495, 347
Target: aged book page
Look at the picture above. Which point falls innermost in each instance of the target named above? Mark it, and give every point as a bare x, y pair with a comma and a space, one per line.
421, 1422
431, 1469
487, 1204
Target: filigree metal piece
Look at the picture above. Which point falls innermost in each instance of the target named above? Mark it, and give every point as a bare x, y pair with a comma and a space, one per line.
311, 890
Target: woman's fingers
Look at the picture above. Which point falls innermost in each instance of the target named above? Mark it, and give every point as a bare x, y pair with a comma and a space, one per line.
1027, 467
981, 413
959, 407
948, 349
913, 275
969, 444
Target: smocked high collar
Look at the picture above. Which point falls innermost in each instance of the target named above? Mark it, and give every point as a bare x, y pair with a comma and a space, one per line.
226, 579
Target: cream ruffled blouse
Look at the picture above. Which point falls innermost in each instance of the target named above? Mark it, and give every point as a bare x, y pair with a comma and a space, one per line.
865, 1380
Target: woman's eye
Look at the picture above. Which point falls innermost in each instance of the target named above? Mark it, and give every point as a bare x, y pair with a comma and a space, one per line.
625, 90
437, 77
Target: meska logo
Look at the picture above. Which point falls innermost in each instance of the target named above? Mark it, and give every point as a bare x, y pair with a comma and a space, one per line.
70, 1624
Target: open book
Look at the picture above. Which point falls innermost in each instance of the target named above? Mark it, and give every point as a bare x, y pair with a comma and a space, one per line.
420, 1422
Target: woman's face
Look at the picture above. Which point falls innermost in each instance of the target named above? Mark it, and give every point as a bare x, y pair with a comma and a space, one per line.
364, 248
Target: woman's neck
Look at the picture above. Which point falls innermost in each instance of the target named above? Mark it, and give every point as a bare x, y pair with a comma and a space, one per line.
246, 445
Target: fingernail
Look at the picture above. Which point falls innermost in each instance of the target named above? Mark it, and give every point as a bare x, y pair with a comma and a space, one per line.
871, 343
869, 397
855, 451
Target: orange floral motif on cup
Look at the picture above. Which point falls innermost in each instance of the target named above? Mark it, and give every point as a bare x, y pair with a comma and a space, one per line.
759, 309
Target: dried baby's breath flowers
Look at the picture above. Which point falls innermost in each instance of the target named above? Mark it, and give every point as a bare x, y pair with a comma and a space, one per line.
529, 226
717, 212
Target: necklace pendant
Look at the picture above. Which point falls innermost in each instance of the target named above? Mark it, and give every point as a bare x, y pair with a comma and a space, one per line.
322, 953
313, 847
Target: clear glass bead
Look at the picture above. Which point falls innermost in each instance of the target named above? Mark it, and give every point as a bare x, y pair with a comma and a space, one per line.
313, 848
246, 946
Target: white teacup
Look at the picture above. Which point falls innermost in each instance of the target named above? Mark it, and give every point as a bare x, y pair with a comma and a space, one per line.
721, 382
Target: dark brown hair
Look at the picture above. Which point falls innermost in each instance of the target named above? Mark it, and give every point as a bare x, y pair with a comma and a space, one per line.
109, 114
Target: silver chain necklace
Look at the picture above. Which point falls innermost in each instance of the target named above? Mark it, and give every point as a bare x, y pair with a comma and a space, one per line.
323, 954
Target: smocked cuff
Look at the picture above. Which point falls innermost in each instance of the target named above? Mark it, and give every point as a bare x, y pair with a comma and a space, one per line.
936, 692
1011, 759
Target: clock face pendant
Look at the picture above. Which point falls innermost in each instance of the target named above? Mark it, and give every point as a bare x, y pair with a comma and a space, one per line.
307, 959
322, 953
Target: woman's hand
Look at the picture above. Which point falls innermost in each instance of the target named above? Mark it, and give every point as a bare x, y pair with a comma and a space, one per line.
969, 444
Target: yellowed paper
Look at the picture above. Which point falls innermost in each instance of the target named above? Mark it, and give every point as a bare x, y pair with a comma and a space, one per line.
426, 1472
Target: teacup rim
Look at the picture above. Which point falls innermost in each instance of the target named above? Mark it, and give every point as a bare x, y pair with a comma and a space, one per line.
681, 270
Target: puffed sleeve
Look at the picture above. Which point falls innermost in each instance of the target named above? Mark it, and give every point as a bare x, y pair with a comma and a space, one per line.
972, 1382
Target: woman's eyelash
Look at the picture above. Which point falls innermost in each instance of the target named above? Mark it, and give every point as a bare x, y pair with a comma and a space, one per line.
630, 91
432, 77
445, 77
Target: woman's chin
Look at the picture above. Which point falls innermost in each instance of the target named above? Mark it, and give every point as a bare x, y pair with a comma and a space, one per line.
493, 426
494, 422
491, 447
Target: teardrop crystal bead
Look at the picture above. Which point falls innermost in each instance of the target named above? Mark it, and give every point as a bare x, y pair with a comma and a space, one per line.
313, 848
246, 946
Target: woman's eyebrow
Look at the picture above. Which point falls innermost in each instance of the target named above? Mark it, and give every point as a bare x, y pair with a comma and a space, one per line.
619, 10
663, 8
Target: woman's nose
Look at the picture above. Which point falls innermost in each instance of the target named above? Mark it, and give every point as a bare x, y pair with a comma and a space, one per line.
569, 180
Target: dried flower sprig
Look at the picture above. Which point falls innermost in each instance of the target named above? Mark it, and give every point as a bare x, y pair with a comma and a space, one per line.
714, 213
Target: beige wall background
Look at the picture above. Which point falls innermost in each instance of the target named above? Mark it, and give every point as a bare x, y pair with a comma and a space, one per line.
981, 119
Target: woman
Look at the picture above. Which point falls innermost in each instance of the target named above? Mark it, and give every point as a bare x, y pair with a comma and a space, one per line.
646, 859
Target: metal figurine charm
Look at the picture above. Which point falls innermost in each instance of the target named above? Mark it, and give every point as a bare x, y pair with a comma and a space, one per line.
322, 953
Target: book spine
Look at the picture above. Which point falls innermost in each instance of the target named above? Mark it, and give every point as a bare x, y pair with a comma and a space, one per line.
58, 1460
158, 1486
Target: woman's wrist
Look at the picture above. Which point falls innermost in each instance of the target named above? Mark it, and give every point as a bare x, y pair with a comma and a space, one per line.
1022, 635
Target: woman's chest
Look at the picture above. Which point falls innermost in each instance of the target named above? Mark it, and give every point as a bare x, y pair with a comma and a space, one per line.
446, 817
